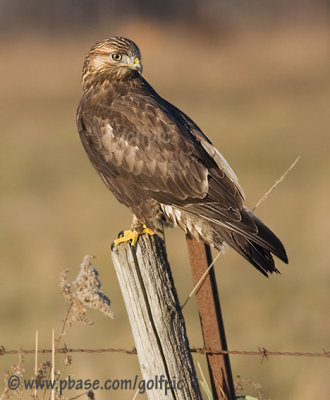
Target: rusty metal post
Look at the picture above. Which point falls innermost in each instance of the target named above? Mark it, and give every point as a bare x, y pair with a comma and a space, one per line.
211, 321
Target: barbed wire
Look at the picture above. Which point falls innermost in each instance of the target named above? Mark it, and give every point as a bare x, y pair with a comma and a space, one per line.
261, 352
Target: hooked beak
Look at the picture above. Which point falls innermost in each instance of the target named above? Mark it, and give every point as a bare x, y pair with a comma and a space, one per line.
137, 66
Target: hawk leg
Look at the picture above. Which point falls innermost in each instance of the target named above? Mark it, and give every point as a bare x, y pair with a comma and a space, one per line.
137, 229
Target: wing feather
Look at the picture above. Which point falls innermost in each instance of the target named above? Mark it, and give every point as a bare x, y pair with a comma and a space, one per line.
158, 150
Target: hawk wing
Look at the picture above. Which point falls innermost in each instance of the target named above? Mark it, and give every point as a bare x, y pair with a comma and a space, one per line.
156, 148
145, 148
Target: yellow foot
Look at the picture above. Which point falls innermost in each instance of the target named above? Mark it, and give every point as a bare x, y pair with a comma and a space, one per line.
133, 236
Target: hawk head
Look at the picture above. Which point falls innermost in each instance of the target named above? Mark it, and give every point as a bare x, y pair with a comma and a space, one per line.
112, 59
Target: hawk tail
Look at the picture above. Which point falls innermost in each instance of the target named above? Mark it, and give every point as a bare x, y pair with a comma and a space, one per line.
257, 248
250, 237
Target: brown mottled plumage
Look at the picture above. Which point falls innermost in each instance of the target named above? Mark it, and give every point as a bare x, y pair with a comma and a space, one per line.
157, 161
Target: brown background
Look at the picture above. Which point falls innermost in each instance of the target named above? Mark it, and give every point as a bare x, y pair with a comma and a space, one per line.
257, 81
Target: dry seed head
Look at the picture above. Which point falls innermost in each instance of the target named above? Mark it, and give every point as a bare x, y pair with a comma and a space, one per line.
88, 288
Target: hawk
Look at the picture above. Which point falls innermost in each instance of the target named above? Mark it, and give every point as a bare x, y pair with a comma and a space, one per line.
157, 161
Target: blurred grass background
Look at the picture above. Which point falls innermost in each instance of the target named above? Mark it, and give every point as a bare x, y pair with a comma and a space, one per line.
258, 85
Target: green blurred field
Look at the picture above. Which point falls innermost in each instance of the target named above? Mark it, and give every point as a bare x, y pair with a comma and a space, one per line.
262, 96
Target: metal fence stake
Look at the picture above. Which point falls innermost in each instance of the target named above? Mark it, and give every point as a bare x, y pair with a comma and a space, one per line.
211, 321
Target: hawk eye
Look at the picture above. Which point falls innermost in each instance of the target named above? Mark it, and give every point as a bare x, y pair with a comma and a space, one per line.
116, 57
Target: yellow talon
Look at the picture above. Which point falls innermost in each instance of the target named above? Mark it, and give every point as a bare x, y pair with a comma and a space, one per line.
133, 236
127, 236
147, 231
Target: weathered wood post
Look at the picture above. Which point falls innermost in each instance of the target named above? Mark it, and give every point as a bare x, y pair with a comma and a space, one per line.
156, 319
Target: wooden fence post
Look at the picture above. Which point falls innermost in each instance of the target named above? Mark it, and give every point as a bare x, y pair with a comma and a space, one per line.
156, 319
